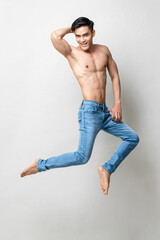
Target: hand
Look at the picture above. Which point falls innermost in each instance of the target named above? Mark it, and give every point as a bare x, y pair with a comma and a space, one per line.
116, 112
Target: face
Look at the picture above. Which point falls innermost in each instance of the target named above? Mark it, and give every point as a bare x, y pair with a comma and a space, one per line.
84, 37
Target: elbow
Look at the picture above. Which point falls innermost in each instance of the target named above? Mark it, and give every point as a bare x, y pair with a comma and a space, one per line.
53, 35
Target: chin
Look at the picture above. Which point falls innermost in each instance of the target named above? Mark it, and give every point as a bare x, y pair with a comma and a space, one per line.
84, 49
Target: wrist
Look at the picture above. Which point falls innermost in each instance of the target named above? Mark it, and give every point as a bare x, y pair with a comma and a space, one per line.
117, 103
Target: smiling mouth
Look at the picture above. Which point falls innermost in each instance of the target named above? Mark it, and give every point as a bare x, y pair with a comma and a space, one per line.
84, 44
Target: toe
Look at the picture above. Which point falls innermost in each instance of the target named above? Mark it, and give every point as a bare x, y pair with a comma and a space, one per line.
105, 192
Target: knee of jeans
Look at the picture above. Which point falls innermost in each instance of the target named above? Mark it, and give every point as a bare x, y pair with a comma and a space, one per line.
135, 138
82, 159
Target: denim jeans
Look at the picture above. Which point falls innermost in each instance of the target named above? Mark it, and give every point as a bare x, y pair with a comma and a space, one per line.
93, 117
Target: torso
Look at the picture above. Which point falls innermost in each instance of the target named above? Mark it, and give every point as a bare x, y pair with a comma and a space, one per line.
90, 71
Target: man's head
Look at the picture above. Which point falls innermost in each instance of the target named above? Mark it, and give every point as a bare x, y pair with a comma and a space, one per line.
82, 27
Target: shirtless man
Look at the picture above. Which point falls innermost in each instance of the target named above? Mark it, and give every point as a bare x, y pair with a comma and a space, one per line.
89, 62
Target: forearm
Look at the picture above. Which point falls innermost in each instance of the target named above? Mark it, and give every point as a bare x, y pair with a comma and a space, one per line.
60, 33
116, 86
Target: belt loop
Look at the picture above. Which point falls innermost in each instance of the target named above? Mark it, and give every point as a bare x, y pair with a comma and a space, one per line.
97, 106
82, 102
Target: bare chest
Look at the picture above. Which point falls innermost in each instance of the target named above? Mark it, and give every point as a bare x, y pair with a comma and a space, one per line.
88, 63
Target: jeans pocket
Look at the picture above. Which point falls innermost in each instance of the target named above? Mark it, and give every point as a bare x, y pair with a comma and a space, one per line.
90, 109
79, 116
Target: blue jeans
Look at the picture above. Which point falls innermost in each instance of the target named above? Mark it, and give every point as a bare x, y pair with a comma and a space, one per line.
93, 117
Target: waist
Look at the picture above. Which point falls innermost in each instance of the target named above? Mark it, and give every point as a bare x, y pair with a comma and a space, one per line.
93, 103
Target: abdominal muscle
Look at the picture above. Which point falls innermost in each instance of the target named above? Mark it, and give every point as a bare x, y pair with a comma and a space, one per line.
93, 87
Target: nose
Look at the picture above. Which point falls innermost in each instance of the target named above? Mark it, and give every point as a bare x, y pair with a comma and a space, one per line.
82, 39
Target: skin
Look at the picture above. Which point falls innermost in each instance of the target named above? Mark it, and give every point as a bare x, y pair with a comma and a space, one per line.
89, 64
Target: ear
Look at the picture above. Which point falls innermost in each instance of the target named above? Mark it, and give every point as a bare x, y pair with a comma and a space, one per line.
93, 33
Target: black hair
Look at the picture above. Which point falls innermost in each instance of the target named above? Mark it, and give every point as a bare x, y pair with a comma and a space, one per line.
82, 21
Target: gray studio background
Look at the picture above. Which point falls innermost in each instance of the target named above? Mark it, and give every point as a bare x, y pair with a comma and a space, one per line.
39, 102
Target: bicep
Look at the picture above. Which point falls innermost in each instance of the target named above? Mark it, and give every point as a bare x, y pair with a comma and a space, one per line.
111, 65
61, 45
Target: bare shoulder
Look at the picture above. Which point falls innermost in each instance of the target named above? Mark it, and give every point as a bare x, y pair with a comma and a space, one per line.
105, 49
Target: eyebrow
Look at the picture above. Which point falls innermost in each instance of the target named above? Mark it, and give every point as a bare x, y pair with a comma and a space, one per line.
82, 34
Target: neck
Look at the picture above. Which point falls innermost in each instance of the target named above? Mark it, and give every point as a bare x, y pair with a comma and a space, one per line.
89, 50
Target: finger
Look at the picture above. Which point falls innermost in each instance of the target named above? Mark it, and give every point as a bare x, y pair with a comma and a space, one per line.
117, 118
120, 117
113, 115
116, 115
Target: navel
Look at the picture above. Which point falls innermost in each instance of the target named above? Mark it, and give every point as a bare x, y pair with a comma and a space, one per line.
86, 66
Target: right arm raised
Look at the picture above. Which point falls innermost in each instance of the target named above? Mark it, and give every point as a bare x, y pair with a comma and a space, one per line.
60, 44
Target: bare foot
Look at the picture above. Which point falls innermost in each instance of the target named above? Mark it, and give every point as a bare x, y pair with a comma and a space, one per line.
104, 179
32, 169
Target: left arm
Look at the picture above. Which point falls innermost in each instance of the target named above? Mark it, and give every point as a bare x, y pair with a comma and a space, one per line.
113, 72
